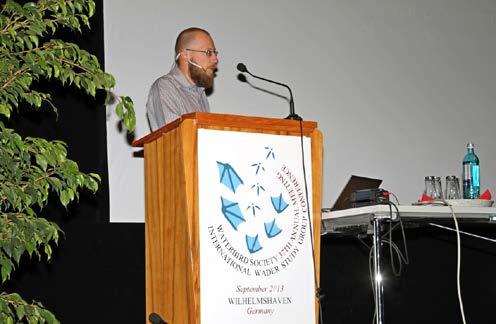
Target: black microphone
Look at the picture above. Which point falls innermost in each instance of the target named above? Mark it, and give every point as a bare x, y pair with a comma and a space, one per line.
154, 318
292, 115
241, 67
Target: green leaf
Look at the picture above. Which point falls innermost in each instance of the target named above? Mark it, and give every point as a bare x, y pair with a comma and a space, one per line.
91, 8
34, 39
6, 269
119, 109
20, 311
64, 198
48, 251
41, 161
4, 110
96, 176
85, 20
92, 184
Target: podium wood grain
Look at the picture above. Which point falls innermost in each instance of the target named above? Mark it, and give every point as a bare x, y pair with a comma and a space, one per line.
171, 206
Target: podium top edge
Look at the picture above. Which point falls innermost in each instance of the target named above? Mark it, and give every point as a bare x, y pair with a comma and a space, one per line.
204, 120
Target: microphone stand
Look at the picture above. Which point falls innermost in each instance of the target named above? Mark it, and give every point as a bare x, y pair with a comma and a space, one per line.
292, 115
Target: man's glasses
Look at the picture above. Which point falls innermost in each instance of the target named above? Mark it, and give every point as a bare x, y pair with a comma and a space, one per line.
208, 52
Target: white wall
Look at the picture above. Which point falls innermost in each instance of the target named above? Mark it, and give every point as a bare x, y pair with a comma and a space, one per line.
398, 87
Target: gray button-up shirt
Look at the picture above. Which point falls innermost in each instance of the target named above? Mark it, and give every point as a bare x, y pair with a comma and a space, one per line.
171, 96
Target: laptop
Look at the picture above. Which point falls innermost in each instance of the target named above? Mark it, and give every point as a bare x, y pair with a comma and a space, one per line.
355, 183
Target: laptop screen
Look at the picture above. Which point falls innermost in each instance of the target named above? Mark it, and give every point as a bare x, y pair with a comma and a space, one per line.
355, 183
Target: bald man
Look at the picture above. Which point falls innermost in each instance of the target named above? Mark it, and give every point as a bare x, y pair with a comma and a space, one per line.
182, 90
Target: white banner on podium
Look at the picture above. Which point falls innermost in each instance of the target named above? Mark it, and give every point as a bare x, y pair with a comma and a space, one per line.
255, 249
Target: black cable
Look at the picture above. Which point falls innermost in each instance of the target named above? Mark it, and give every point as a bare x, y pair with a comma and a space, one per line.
391, 229
407, 258
318, 291
393, 265
363, 242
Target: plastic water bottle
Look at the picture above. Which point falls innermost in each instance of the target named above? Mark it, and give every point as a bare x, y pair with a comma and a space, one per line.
471, 175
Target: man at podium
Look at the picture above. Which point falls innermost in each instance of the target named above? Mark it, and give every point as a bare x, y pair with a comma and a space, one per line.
182, 90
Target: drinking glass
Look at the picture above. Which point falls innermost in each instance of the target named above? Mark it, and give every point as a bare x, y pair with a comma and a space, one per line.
438, 188
430, 189
452, 188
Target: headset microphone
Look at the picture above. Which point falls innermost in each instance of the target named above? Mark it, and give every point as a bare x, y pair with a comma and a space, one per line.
197, 65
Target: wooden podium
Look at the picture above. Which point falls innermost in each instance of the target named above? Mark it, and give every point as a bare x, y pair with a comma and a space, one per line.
172, 206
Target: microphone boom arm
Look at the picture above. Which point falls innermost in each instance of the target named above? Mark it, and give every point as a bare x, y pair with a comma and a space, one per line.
292, 114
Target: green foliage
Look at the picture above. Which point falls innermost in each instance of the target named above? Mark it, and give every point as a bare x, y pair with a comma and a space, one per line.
13, 309
28, 53
30, 170
34, 169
